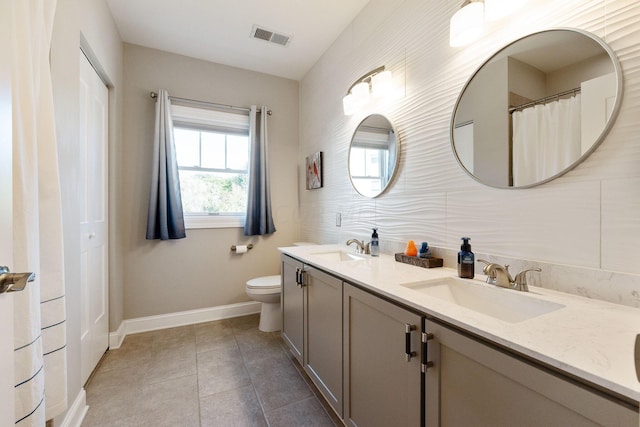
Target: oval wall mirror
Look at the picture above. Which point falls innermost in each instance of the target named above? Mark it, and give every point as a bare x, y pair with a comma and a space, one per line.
536, 108
373, 155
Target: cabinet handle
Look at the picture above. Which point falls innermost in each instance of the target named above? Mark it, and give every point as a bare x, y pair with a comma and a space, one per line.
407, 337
303, 278
425, 363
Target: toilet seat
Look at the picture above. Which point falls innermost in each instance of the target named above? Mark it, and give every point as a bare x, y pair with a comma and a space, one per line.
264, 285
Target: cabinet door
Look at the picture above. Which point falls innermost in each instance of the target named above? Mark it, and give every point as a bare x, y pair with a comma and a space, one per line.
292, 306
381, 387
323, 334
474, 383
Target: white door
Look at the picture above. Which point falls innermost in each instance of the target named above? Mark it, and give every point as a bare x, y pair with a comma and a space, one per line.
93, 239
6, 214
598, 98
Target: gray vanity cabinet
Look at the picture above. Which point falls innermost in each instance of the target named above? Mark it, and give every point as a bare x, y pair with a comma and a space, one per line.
381, 382
323, 334
475, 383
312, 325
292, 303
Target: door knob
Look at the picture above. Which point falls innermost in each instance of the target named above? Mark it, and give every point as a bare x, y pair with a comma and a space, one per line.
12, 282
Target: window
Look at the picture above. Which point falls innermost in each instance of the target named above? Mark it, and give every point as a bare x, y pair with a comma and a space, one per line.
368, 160
212, 148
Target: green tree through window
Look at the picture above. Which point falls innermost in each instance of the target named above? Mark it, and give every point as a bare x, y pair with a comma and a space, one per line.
213, 169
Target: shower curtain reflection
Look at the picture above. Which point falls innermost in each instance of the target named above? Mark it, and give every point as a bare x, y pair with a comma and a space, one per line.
546, 140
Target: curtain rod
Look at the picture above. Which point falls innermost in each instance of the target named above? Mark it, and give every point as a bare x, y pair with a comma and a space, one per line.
544, 100
154, 95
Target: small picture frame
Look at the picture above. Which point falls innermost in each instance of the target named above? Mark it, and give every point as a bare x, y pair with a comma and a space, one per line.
314, 170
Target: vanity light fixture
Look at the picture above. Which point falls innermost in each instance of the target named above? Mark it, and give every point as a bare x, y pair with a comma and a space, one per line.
467, 24
376, 82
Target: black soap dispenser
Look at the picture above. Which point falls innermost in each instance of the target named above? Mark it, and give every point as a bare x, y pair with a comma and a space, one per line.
375, 243
466, 260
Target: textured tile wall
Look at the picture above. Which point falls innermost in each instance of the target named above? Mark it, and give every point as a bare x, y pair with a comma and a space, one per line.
582, 227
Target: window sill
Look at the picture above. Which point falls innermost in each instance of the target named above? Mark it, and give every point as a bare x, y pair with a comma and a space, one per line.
213, 221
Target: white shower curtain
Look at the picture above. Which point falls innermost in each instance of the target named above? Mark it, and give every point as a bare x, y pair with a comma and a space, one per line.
40, 328
546, 139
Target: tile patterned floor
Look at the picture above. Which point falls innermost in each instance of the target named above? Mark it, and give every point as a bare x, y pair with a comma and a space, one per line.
223, 373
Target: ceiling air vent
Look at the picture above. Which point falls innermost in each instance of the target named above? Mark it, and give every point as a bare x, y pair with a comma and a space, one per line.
269, 36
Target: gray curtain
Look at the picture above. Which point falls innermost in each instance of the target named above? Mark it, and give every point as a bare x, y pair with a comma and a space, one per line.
259, 219
164, 219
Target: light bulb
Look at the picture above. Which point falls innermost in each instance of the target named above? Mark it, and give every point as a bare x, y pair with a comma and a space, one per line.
348, 104
361, 93
381, 84
467, 24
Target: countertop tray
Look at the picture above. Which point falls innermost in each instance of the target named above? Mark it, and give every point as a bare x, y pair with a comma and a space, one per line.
420, 262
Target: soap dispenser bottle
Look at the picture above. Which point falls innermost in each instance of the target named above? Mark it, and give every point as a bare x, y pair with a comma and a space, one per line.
425, 251
375, 243
466, 260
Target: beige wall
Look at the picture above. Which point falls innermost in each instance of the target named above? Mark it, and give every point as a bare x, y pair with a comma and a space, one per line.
199, 271
581, 223
85, 23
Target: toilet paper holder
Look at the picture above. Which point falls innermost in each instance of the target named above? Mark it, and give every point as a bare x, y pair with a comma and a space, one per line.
249, 247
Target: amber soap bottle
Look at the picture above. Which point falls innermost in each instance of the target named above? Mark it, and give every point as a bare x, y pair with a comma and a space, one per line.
466, 260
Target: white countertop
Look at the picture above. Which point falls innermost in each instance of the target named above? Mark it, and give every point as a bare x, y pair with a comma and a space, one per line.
588, 338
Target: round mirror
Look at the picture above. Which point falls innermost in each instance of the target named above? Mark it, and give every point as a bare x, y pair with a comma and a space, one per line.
536, 108
373, 155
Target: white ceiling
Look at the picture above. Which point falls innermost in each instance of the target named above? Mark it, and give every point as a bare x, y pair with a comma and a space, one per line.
219, 30
550, 51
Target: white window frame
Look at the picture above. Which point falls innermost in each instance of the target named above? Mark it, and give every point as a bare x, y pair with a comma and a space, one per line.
212, 120
372, 139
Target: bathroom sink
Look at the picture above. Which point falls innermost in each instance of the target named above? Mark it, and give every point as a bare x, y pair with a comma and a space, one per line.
338, 256
504, 304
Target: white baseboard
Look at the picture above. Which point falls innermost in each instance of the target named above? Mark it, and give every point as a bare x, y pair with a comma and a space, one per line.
78, 410
116, 338
171, 320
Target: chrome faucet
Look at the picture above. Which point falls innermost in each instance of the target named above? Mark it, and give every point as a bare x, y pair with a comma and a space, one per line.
361, 248
11, 282
500, 276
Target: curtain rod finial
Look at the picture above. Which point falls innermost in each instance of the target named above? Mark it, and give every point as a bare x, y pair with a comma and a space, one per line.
153, 95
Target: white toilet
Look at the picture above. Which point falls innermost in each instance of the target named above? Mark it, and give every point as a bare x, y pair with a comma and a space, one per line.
266, 290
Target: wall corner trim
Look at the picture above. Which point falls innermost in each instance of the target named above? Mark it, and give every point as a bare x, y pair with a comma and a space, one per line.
78, 410
182, 318
116, 338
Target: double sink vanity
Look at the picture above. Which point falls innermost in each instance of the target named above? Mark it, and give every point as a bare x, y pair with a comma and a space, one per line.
388, 343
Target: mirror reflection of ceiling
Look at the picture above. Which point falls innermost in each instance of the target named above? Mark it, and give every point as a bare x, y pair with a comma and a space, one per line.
373, 155
551, 51
536, 108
